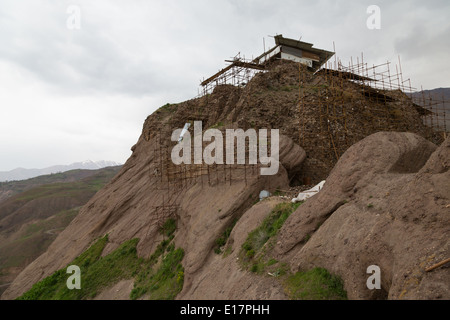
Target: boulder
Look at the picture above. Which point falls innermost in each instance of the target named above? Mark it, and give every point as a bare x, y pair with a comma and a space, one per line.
291, 156
386, 204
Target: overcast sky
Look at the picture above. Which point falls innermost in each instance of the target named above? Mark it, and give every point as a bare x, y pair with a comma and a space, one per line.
69, 94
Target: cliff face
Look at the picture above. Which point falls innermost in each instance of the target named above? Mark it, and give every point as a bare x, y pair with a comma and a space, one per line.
205, 201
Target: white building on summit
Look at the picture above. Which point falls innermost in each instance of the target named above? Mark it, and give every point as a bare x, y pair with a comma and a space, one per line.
241, 70
298, 51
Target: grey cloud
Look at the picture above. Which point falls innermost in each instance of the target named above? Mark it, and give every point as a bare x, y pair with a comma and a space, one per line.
421, 43
85, 60
181, 42
140, 54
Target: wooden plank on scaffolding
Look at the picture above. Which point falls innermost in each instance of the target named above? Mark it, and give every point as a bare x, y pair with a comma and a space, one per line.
235, 63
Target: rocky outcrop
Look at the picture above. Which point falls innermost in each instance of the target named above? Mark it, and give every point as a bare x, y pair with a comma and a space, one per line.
386, 203
222, 277
291, 156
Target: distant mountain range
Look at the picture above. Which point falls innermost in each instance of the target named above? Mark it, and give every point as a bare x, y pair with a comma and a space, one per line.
22, 173
438, 101
437, 93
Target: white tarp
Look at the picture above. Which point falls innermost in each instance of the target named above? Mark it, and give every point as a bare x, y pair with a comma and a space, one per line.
264, 194
183, 132
291, 57
302, 196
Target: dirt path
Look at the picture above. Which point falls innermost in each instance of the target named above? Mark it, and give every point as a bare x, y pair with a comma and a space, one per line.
54, 231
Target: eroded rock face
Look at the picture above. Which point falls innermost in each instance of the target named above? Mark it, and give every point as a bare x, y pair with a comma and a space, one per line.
222, 276
125, 209
291, 156
386, 204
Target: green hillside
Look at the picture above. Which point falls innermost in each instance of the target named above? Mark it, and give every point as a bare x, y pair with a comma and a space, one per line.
31, 220
11, 188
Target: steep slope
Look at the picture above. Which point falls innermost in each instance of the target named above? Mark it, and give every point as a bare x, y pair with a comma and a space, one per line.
223, 276
31, 220
206, 201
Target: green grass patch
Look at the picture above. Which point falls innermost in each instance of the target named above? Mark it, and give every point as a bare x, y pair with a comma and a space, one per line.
160, 249
269, 227
168, 107
54, 287
222, 240
164, 282
217, 125
306, 238
169, 227
252, 256
278, 192
315, 284
161, 276
271, 262
227, 251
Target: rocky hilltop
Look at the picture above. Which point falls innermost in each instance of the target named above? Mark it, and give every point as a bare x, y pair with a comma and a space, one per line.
385, 203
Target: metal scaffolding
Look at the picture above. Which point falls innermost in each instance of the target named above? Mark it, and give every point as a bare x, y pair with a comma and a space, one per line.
340, 105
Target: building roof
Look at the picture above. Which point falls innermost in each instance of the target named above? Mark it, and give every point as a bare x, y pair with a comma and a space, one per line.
280, 41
